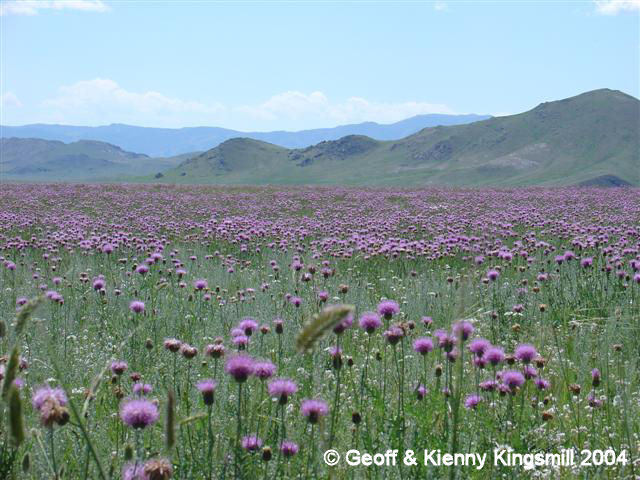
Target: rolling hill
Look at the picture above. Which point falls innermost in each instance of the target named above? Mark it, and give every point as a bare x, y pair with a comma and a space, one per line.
175, 141
595, 135
29, 159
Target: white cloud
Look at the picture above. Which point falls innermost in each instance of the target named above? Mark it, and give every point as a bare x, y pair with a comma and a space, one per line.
103, 101
440, 6
9, 99
292, 106
614, 7
32, 7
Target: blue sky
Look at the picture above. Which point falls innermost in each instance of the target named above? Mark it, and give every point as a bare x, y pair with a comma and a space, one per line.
296, 65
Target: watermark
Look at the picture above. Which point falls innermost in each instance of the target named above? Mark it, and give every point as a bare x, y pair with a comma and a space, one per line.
499, 457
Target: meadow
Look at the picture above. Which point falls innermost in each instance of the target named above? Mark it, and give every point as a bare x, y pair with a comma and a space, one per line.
155, 332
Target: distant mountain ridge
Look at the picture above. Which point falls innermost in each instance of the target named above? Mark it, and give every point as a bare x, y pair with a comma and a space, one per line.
51, 160
589, 139
164, 142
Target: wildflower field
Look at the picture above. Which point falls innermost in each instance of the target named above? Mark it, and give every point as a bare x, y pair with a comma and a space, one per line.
155, 332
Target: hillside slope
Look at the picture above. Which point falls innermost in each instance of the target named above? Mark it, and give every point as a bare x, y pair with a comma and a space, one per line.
565, 142
162, 142
29, 159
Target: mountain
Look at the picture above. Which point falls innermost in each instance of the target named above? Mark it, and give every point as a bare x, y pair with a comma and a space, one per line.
592, 137
44, 160
165, 142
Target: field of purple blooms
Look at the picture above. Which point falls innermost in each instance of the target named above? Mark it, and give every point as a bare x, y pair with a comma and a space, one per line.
156, 332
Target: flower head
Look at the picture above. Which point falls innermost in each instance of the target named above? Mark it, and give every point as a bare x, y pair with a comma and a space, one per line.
288, 448
370, 321
526, 353
138, 413
251, 443
207, 388
314, 409
240, 367
423, 345
388, 308
282, 388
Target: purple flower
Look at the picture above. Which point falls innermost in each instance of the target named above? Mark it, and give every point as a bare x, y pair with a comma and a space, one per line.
282, 388
529, 372
136, 306
264, 370
463, 329
427, 321
133, 471
142, 388
513, 379
138, 413
493, 275
494, 355
248, 326
239, 367
472, 401
526, 353
343, 325
423, 345
388, 308
288, 448
594, 402
200, 284
421, 391
586, 262
478, 346
488, 385
119, 367
595, 377
42, 394
251, 443
393, 335
207, 388
542, 384
313, 409
370, 321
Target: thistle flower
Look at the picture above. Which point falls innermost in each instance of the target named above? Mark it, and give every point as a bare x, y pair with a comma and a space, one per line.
215, 350
494, 355
251, 443
248, 326
42, 394
472, 401
142, 388
393, 335
207, 388
542, 384
493, 275
136, 306
421, 391
264, 369
314, 409
427, 321
463, 330
526, 353
595, 377
240, 367
586, 262
288, 448
282, 389
388, 308
478, 346
423, 345
172, 344
369, 322
513, 379
138, 413
200, 284
119, 367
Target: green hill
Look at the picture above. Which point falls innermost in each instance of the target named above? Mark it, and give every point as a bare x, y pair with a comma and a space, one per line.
566, 142
29, 159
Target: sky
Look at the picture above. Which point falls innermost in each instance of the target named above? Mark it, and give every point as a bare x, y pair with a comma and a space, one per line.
259, 66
